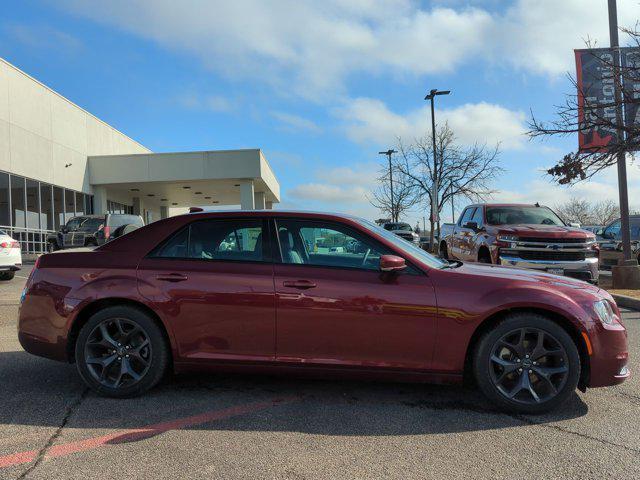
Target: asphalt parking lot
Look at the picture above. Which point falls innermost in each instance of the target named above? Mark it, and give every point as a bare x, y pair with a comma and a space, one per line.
220, 426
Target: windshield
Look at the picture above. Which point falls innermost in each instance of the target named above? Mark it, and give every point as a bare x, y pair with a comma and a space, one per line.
405, 227
403, 245
522, 216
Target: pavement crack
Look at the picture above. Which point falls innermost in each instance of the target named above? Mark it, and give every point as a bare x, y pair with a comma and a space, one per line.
573, 432
71, 408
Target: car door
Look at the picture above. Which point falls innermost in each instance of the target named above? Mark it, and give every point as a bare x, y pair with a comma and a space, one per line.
460, 234
473, 237
213, 282
335, 307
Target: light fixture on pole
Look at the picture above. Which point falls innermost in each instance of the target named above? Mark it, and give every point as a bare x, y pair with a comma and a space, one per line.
394, 213
434, 188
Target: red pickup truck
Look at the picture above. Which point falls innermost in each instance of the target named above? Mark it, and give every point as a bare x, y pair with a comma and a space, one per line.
525, 236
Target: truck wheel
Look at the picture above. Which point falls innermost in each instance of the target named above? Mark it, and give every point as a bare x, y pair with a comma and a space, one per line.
526, 363
443, 251
6, 276
121, 352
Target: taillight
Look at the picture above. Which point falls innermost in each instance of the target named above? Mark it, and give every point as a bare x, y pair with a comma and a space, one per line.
15, 244
11, 244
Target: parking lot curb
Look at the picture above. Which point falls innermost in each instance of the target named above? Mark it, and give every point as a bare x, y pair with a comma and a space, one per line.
627, 302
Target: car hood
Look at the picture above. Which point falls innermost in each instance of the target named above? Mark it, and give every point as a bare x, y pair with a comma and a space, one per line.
514, 274
550, 231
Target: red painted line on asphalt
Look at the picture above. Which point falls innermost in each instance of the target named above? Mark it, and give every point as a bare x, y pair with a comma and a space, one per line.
136, 434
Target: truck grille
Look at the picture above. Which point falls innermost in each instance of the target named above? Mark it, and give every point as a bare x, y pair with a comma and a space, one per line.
550, 240
551, 255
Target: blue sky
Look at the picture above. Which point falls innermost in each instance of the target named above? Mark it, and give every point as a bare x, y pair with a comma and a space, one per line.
321, 87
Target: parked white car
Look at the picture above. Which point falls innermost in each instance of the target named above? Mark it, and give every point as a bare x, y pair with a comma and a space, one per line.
10, 256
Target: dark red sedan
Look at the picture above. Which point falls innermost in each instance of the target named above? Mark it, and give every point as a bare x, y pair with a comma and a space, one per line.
273, 291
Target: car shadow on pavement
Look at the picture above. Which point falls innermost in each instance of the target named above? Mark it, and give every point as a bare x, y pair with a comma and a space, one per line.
40, 392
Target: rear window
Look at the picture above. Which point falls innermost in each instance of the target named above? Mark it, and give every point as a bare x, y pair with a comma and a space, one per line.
224, 240
119, 220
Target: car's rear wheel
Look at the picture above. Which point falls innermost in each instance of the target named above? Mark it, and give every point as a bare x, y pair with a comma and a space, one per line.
527, 364
121, 352
5, 276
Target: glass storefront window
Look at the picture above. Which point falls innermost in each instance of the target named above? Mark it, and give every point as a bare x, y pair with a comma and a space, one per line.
79, 204
88, 204
17, 201
58, 206
69, 205
5, 214
33, 204
46, 215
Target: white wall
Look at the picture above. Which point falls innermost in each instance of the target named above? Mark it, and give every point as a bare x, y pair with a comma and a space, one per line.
41, 132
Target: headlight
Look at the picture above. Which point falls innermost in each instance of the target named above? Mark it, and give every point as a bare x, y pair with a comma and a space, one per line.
604, 311
507, 238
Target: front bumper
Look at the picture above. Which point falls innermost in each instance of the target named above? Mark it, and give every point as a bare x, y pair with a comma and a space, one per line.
582, 269
609, 360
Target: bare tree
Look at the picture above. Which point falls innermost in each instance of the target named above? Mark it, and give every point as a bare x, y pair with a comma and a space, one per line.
404, 196
605, 212
582, 114
460, 172
586, 213
576, 210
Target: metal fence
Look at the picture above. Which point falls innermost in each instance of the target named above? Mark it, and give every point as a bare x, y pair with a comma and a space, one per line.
32, 240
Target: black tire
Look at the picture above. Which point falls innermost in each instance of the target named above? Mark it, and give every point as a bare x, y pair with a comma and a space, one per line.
155, 353
550, 390
6, 276
91, 243
444, 253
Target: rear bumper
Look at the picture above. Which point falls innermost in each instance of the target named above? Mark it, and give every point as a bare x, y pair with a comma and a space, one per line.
10, 268
583, 269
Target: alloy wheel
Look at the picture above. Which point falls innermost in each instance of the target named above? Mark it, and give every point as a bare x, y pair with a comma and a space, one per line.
118, 353
528, 366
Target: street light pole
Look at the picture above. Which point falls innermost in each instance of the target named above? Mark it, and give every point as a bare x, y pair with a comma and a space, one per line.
622, 157
434, 188
394, 213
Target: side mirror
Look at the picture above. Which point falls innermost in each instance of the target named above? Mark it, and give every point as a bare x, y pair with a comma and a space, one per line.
392, 263
471, 225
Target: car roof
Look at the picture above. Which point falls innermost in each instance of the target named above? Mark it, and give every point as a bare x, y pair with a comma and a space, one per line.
274, 213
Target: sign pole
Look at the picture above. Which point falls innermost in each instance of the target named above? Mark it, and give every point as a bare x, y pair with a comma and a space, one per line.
622, 158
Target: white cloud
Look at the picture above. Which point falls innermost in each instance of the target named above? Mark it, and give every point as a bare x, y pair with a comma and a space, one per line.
602, 187
368, 120
214, 103
310, 48
327, 193
43, 37
295, 123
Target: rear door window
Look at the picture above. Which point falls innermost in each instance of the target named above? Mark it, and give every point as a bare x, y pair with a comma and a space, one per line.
217, 239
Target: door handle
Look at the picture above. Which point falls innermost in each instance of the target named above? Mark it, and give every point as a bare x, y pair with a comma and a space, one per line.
301, 284
171, 277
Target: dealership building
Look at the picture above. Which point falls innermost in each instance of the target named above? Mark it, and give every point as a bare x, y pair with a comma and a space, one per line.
58, 161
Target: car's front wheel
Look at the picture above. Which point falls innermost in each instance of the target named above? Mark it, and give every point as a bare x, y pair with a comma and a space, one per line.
121, 352
527, 363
